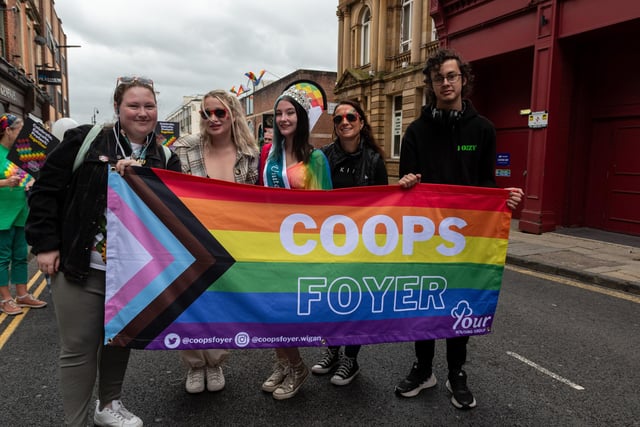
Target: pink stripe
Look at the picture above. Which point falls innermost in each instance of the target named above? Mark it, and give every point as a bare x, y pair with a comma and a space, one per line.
142, 278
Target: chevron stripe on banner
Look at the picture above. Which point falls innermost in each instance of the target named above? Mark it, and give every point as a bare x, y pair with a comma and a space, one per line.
161, 258
196, 263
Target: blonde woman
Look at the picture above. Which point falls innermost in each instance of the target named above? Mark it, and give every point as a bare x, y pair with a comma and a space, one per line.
225, 150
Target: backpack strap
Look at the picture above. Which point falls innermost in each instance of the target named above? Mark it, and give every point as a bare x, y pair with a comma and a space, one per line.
167, 155
84, 148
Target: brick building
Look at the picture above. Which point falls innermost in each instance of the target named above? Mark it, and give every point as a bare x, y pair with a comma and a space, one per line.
33, 61
259, 103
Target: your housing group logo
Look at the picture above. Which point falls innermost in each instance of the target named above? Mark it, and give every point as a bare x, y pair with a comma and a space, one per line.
467, 324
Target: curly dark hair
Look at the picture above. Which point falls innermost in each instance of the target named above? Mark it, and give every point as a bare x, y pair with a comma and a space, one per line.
433, 64
366, 133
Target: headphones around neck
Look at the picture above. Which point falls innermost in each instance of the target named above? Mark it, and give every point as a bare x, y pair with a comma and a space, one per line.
446, 116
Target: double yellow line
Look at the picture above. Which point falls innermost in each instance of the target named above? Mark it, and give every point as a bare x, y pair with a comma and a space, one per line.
39, 282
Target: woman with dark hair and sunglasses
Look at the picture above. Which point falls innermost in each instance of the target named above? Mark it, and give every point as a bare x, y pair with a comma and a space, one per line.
291, 162
224, 149
66, 228
355, 161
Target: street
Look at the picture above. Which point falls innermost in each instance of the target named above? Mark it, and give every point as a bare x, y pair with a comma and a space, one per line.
561, 354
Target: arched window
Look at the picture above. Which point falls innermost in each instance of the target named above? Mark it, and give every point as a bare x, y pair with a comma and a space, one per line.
365, 37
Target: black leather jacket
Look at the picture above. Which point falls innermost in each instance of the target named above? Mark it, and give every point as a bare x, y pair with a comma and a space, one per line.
65, 206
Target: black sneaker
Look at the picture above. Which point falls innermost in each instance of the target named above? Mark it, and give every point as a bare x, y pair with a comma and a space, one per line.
418, 379
461, 396
346, 372
329, 360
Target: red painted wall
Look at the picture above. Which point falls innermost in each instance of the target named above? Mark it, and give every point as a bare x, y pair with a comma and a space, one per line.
502, 89
576, 59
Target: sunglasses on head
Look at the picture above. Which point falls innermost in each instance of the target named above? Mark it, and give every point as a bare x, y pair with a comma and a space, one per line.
128, 80
351, 117
220, 113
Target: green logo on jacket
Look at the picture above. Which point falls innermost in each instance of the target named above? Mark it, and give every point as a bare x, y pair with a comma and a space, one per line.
467, 147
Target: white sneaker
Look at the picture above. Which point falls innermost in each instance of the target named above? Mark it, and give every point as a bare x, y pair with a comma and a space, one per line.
116, 416
195, 380
215, 378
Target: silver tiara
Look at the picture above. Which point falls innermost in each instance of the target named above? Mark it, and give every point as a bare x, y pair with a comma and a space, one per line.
299, 96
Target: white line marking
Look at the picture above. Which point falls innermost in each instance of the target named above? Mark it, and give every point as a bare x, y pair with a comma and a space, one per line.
545, 371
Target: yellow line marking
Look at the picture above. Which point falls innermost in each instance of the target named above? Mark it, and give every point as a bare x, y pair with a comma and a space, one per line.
17, 319
574, 283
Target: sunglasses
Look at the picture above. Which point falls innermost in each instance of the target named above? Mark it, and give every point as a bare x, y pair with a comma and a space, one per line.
220, 113
128, 80
351, 117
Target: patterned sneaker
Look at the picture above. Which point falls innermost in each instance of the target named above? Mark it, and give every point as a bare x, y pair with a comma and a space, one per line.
461, 396
30, 301
418, 379
116, 416
277, 377
329, 360
296, 376
10, 307
215, 378
195, 380
346, 372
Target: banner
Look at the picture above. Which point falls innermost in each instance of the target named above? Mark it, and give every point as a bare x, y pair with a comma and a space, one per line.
196, 263
167, 133
31, 147
49, 77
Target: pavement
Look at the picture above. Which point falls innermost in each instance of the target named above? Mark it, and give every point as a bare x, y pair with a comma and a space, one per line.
599, 257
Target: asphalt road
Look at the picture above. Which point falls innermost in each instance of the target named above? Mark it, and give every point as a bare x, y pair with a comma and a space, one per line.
560, 355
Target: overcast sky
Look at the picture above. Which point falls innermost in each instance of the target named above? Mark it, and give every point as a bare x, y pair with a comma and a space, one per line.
189, 47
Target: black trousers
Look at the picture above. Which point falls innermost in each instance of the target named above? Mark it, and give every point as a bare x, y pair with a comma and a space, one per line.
456, 352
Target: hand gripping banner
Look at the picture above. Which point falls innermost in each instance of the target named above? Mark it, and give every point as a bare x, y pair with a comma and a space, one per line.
196, 263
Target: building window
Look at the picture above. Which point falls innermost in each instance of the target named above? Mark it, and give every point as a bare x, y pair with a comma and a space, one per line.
365, 37
248, 105
405, 26
434, 31
396, 127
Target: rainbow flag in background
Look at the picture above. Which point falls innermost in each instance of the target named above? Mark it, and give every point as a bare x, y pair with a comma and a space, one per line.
198, 263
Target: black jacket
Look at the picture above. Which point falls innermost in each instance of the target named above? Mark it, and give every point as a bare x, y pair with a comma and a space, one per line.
65, 206
364, 167
459, 151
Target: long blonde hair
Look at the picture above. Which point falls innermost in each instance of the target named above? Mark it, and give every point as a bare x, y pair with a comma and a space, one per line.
240, 132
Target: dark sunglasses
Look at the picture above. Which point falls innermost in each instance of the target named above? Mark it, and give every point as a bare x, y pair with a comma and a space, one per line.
220, 113
127, 80
351, 117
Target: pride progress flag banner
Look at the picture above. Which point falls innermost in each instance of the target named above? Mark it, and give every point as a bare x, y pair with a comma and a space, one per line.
196, 263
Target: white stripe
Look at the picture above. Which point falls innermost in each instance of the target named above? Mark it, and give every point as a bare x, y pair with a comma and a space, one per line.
545, 371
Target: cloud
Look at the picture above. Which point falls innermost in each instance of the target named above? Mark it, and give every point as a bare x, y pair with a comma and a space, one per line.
189, 47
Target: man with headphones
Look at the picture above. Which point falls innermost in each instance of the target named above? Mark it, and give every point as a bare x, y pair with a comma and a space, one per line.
450, 143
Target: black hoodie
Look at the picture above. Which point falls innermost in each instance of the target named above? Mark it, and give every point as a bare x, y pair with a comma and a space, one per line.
450, 150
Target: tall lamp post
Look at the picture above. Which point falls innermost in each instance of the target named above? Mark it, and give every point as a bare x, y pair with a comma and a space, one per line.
95, 113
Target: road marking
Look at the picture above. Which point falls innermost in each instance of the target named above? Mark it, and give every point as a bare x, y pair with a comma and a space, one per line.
566, 281
545, 371
17, 319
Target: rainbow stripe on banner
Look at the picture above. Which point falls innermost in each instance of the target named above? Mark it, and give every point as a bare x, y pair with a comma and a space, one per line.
197, 263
